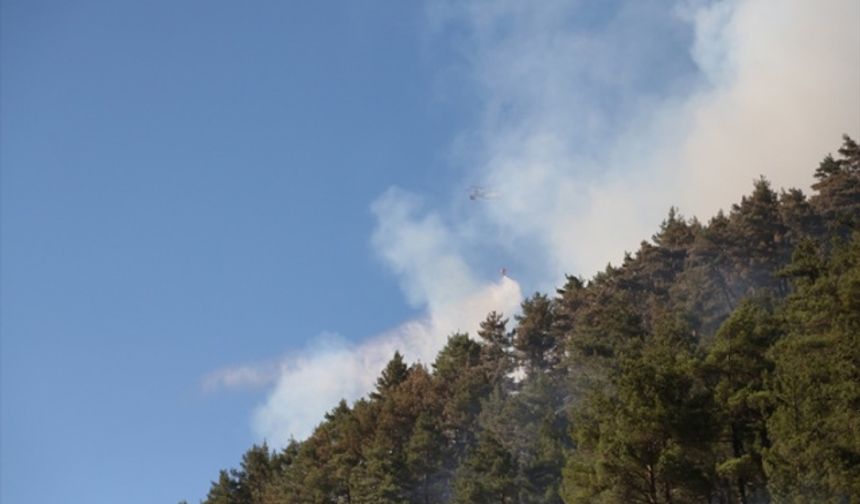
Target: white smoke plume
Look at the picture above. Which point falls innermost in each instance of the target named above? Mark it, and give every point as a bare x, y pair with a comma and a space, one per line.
589, 131
312, 384
782, 87
590, 153
246, 376
422, 252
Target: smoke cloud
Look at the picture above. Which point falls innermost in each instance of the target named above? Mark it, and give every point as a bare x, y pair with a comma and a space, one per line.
592, 132
594, 121
313, 383
247, 376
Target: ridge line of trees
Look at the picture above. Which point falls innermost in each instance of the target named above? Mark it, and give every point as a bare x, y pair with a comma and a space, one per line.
720, 363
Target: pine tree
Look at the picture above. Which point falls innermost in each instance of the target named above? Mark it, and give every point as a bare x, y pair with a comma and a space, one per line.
570, 299
838, 186
424, 459
815, 426
534, 337
739, 366
394, 374
464, 383
647, 440
708, 288
379, 478
759, 246
487, 475
254, 474
799, 217
224, 491
496, 350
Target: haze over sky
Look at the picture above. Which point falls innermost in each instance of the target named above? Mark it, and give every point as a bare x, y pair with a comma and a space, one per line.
219, 218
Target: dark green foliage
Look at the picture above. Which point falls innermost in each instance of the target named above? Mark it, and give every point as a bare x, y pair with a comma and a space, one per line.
532, 426
646, 439
815, 426
758, 246
224, 491
464, 382
393, 375
799, 217
719, 363
246, 485
838, 186
708, 288
487, 475
534, 338
496, 352
738, 366
424, 458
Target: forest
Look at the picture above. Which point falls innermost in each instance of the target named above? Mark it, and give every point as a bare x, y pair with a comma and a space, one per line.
719, 363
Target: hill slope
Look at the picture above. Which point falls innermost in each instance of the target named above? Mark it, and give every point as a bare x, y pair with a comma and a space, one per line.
719, 363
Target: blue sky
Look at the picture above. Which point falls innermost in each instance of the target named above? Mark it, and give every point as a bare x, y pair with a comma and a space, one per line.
186, 186
218, 218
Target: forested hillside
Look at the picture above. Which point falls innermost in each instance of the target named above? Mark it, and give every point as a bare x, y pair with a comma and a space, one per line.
720, 363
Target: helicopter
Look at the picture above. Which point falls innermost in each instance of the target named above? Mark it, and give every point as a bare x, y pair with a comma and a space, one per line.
481, 193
